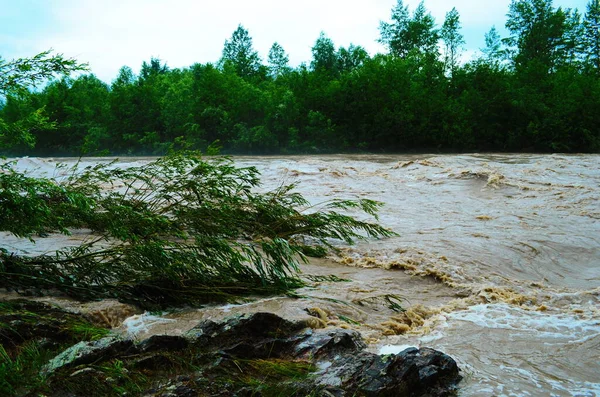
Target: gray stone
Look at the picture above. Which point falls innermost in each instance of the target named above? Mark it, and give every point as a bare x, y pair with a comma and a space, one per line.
343, 366
88, 352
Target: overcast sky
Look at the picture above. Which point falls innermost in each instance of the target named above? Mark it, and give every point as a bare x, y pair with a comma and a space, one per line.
111, 33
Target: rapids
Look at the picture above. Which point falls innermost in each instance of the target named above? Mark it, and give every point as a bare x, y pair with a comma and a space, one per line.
497, 263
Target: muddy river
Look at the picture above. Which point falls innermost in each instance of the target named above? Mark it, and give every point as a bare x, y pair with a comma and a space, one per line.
497, 264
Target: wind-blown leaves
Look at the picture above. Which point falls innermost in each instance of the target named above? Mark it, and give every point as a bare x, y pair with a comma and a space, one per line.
178, 230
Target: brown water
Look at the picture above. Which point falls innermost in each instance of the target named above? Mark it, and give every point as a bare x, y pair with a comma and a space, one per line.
497, 264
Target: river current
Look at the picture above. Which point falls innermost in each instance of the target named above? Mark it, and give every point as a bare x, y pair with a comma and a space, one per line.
497, 263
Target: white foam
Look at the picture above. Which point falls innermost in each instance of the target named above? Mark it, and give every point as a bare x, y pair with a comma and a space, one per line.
547, 325
141, 323
394, 349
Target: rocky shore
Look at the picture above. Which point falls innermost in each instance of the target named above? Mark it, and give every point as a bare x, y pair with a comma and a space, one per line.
258, 354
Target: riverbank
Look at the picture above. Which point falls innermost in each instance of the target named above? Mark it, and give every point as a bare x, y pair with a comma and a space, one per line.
54, 352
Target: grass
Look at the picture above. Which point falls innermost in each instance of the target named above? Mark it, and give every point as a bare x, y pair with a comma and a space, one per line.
20, 372
31, 334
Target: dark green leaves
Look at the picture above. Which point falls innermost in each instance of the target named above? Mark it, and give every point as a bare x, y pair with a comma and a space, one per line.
238, 52
178, 230
19, 74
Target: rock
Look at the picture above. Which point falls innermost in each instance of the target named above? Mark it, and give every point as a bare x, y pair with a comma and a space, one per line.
344, 367
263, 354
176, 389
412, 372
326, 344
260, 335
89, 352
163, 342
153, 362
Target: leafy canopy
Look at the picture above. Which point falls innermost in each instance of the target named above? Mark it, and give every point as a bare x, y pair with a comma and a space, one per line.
238, 51
16, 77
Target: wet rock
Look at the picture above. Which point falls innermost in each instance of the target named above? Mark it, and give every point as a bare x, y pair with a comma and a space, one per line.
163, 342
263, 354
248, 326
327, 344
412, 372
153, 362
343, 367
175, 389
89, 352
259, 335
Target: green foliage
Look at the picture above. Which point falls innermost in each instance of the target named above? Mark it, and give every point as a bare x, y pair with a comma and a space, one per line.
592, 34
453, 39
16, 76
352, 58
393, 35
31, 334
170, 232
540, 36
31, 205
22, 370
324, 56
409, 34
493, 47
21, 132
278, 61
239, 52
412, 98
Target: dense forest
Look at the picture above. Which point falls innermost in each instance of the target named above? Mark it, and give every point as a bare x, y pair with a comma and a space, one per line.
536, 90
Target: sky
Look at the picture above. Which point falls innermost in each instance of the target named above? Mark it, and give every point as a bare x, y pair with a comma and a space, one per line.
109, 34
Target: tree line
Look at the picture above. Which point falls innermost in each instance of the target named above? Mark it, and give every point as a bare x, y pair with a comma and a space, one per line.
538, 89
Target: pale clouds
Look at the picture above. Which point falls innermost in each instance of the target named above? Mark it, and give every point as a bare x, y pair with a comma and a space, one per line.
112, 33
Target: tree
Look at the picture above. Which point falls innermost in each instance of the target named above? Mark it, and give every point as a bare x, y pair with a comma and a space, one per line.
324, 56
351, 58
148, 93
493, 46
16, 77
239, 52
79, 108
453, 39
422, 30
537, 35
87, 114
154, 68
406, 34
122, 107
591, 25
573, 44
393, 35
278, 61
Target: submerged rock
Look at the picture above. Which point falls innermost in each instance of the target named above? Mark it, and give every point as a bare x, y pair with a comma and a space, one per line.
258, 354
